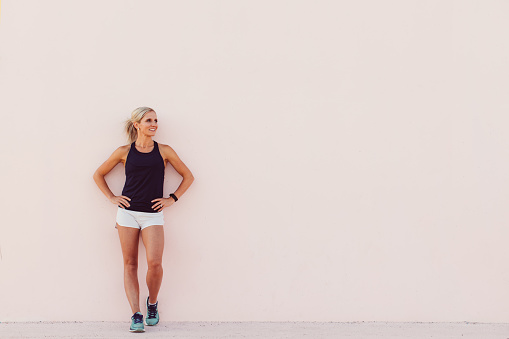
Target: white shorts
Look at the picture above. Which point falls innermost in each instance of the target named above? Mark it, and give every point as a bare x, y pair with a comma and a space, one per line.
137, 219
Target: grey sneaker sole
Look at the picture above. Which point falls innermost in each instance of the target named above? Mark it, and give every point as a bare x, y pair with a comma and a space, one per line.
137, 331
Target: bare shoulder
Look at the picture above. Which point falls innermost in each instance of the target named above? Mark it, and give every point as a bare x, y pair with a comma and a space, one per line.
165, 147
167, 152
169, 155
121, 153
123, 149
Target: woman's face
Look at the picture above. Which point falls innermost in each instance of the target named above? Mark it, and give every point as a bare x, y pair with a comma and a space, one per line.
148, 124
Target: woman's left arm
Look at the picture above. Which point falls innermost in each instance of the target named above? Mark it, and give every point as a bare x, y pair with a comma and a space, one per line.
169, 155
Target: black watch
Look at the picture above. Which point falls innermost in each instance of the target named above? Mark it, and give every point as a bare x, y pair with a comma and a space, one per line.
174, 197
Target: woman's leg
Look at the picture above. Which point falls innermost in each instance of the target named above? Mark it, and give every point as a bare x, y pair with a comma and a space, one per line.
129, 241
153, 239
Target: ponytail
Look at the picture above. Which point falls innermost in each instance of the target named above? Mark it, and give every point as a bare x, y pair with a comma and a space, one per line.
131, 132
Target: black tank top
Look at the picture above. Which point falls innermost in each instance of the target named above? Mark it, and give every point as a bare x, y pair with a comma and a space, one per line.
144, 178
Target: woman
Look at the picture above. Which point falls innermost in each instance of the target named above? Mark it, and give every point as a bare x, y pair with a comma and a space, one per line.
140, 206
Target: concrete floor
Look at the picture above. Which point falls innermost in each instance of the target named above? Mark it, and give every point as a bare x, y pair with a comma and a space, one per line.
364, 330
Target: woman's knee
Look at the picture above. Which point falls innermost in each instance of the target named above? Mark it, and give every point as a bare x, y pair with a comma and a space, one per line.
131, 263
155, 264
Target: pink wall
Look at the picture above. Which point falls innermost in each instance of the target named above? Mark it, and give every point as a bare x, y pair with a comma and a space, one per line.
350, 157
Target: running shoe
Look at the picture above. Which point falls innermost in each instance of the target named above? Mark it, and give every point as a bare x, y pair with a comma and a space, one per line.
152, 314
137, 323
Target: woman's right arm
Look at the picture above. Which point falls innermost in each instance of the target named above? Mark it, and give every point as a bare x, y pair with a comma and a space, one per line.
119, 155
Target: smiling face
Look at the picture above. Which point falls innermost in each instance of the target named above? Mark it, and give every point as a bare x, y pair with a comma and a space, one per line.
147, 125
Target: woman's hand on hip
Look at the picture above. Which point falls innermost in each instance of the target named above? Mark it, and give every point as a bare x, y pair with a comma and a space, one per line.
161, 203
120, 201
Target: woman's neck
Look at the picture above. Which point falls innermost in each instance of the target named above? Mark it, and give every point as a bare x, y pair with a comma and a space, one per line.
144, 141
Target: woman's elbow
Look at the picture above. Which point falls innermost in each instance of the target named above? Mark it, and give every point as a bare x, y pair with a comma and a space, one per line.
96, 175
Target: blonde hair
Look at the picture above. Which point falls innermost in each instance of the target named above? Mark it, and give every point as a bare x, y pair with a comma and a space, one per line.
136, 116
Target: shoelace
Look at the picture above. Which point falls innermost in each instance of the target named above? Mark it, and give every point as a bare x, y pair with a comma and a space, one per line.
138, 318
152, 311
